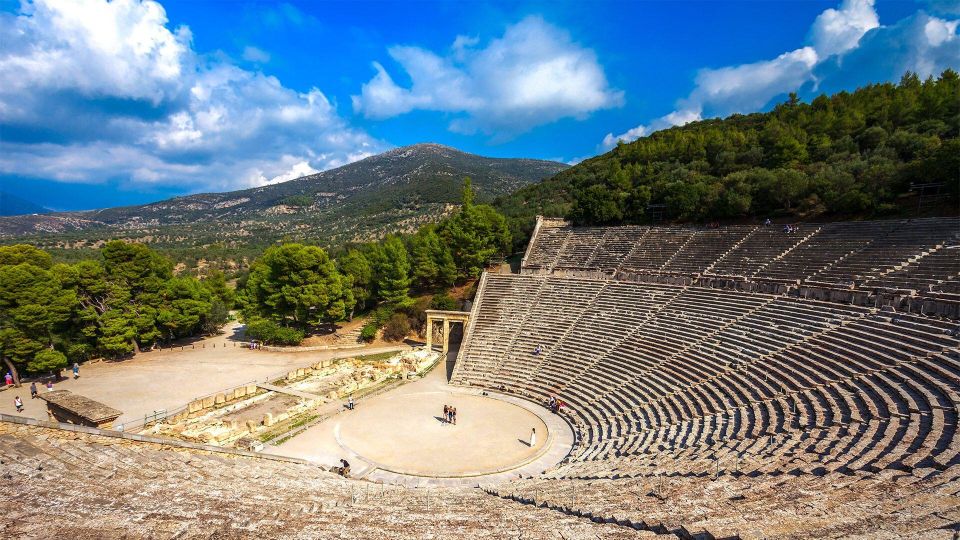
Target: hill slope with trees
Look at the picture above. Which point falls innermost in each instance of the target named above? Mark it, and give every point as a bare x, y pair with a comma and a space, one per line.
396, 191
849, 154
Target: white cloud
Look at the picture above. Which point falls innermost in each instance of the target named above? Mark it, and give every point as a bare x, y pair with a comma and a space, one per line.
631, 134
837, 31
534, 74
254, 54
118, 49
119, 95
847, 48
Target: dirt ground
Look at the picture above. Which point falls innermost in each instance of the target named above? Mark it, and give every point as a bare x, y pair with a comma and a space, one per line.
170, 378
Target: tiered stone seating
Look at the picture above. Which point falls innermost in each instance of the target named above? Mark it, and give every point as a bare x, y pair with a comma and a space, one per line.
579, 247
546, 249
664, 380
737, 504
833, 242
705, 247
928, 272
898, 254
65, 484
759, 249
906, 241
656, 248
615, 246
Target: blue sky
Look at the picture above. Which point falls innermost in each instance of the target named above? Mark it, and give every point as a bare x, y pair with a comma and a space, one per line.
130, 102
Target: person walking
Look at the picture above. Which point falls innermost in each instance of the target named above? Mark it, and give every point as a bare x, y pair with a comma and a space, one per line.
446, 414
76, 370
18, 403
8, 378
350, 403
49, 385
453, 415
33, 390
533, 437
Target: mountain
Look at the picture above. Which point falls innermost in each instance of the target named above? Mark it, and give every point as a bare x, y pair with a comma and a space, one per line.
11, 205
394, 191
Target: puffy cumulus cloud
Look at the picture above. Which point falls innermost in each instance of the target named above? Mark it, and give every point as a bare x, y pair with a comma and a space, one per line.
532, 75
847, 47
99, 49
921, 43
105, 90
836, 31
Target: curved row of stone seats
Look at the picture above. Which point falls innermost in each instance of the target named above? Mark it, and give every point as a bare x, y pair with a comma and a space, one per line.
655, 248
578, 249
672, 361
616, 245
735, 504
949, 286
705, 247
910, 252
926, 272
906, 241
69, 484
831, 243
788, 371
759, 249
901, 417
550, 242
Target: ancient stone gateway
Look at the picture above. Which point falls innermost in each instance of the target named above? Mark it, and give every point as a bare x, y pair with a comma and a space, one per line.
445, 317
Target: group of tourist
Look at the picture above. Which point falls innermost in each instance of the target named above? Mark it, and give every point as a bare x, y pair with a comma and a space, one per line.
555, 404
449, 414
34, 390
538, 350
787, 227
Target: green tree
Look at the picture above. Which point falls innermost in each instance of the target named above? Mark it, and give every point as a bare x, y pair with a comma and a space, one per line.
216, 317
475, 236
47, 360
432, 262
356, 267
392, 269
34, 306
296, 285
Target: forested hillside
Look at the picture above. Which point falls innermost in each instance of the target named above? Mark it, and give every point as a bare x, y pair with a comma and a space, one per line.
852, 154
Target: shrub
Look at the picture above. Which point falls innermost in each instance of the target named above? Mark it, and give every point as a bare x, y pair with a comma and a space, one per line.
369, 331
397, 327
288, 336
47, 360
297, 200
270, 332
445, 302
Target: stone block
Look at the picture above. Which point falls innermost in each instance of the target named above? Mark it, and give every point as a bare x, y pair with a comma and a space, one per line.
268, 419
208, 402
252, 426
195, 406
251, 389
220, 398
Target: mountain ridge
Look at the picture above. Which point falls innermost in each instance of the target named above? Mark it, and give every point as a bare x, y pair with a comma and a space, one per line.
394, 191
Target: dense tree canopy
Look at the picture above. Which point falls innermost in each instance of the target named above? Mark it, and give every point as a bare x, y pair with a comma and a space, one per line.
128, 298
298, 286
476, 235
847, 154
